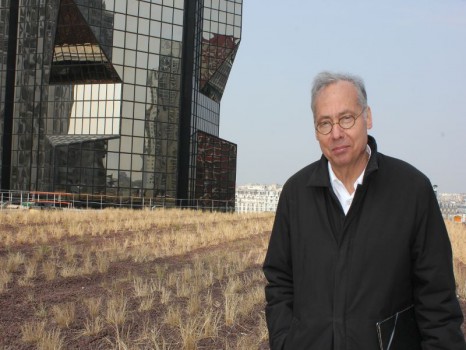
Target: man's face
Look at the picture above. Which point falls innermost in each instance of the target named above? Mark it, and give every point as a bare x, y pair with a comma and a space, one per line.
344, 148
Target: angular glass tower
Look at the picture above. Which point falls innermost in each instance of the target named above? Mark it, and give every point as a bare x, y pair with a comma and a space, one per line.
117, 97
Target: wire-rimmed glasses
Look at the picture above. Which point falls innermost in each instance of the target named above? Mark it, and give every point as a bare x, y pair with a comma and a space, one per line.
346, 121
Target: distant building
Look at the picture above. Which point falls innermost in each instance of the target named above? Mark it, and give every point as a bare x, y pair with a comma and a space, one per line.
257, 198
452, 204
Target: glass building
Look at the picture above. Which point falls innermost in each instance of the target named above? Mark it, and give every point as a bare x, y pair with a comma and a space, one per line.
117, 97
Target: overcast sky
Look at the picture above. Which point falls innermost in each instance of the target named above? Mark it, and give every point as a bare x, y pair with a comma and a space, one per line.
410, 53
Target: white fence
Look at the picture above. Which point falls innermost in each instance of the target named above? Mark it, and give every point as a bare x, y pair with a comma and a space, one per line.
57, 200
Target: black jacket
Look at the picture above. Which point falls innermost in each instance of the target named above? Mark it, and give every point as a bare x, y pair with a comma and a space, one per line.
331, 277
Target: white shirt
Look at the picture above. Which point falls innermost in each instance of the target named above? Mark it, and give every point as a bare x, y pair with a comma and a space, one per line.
339, 188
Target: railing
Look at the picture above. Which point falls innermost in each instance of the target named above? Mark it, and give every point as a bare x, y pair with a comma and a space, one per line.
62, 200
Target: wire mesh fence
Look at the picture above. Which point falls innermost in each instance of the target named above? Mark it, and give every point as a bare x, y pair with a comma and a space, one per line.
60, 200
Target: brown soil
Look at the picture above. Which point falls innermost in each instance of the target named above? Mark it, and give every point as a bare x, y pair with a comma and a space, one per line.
20, 304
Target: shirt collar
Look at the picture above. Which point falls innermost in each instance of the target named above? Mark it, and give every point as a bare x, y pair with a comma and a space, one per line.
334, 179
319, 176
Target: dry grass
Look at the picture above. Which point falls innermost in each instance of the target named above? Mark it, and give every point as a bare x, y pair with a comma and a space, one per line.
51, 340
5, 278
64, 314
92, 326
173, 317
32, 228
36, 333
32, 332
457, 233
121, 279
93, 306
49, 269
117, 310
202, 299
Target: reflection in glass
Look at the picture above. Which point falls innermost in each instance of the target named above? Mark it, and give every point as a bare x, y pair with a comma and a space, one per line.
96, 109
77, 55
98, 97
215, 169
218, 54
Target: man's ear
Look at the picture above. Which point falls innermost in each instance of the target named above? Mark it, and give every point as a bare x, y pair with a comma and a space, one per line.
368, 118
316, 135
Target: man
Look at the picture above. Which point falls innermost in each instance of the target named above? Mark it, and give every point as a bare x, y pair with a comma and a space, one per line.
358, 237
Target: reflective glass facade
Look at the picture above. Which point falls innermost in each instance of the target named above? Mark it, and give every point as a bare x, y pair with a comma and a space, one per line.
215, 170
117, 97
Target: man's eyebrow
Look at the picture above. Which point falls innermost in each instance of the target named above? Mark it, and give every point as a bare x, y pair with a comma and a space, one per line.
342, 113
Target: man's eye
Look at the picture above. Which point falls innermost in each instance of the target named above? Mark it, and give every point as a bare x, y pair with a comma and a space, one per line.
324, 124
346, 118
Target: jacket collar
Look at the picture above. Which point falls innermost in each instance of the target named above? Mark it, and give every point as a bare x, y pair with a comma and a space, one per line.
320, 177
373, 164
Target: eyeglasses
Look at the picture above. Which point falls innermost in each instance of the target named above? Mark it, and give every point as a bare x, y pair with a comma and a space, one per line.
346, 121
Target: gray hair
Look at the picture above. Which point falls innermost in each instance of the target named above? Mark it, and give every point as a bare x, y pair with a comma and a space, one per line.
324, 79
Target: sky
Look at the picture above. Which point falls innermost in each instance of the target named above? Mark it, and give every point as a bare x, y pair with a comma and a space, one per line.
411, 55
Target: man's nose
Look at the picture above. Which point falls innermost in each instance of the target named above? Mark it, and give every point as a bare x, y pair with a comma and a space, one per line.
337, 131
